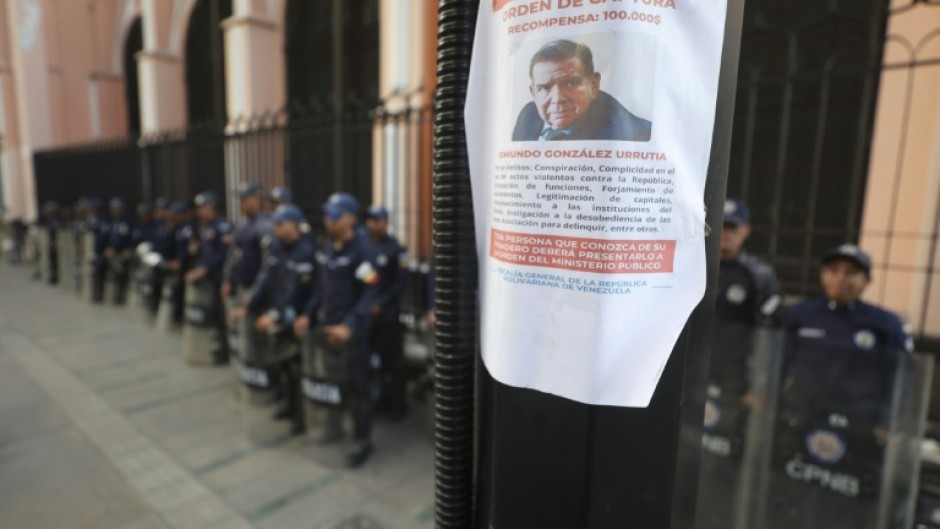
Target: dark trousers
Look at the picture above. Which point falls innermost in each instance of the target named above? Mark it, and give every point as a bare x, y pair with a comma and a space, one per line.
53, 265
156, 291
179, 298
387, 340
355, 361
120, 278
99, 273
218, 317
362, 381
289, 381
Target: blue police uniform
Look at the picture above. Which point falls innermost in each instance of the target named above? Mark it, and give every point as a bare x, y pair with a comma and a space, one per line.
387, 335
393, 276
349, 285
121, 240
147, 232
183, 251
838, 373
286, 285
288, 282
50, 223
845, 355
245, 258
164, 240
214, 241
748, 296
348, 289
122, 234
99, 226
159, 236
185, 244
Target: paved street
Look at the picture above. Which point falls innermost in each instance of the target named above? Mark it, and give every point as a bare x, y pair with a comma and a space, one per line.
103, 426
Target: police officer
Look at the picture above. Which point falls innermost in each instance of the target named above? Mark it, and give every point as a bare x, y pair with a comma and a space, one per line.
246, 254
120, 248
835, 404
99, 226
748, 296
213, 238
387, 334
51, 224
166, 220
179, 253
342, 311
286, 286
281, 195
145, 229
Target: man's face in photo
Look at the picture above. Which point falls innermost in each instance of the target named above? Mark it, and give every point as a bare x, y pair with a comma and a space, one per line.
562, 91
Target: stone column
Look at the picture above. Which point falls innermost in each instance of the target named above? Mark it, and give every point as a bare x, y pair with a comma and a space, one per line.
27, 21
160, 75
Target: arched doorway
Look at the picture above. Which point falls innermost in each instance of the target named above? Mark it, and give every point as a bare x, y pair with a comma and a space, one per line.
133, 44
205, 60
332, 51
203, 144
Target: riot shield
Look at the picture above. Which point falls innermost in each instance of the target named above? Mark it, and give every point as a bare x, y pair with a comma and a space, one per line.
844, 442
327, 371
199, 334
235, 329
898, 504
738, 409
39, 252
261, 354
119, 272
148, 281
89, 262
167, 308
65, 244
78, 267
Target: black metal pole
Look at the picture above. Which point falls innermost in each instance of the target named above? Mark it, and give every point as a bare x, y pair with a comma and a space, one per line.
533, 460
455, 271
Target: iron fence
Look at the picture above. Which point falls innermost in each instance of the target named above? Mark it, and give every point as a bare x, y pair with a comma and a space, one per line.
808, 93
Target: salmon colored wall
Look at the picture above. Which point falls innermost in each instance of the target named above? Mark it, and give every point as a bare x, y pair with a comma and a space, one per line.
904, 176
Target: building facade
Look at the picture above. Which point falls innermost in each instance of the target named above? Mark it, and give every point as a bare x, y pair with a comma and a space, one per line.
836, 132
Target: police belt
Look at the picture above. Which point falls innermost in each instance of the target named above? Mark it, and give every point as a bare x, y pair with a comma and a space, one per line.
328, 371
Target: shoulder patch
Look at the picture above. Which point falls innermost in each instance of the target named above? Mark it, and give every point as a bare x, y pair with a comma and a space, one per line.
367, 274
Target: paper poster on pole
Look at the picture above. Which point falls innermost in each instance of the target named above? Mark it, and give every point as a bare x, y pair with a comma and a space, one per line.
589, 127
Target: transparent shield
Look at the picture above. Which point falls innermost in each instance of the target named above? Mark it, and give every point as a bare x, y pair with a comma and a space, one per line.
740, 405
831, 437
845, 440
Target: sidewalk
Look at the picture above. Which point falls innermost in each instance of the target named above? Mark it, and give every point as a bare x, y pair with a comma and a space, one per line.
103, 426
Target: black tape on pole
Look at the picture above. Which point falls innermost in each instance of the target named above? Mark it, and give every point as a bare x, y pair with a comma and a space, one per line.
455, 272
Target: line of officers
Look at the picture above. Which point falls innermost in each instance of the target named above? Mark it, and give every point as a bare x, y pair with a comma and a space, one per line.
335, 306
834, 392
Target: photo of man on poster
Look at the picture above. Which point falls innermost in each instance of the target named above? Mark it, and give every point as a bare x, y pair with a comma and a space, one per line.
568, 103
